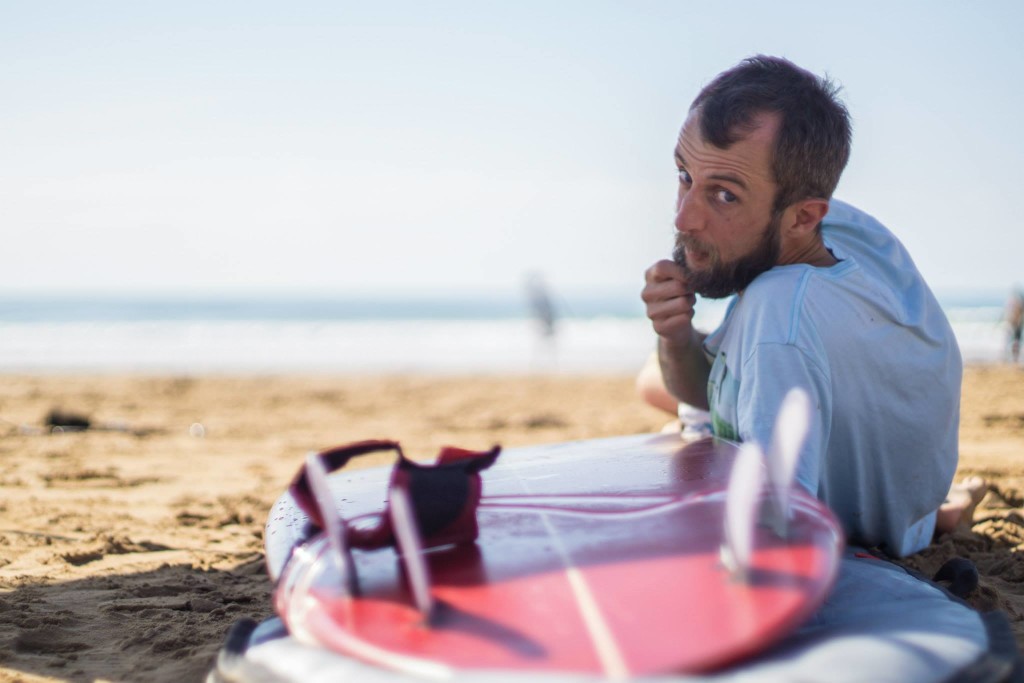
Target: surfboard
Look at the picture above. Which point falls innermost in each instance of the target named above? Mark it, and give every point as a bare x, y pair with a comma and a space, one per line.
591, 557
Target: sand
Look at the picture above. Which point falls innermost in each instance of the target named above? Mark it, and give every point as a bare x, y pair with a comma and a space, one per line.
127, 551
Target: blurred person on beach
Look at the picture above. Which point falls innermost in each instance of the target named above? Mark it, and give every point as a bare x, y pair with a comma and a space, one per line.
1014, 318
827, 299
545, 318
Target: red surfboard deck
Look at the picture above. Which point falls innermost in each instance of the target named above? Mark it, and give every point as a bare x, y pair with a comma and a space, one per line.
609, 594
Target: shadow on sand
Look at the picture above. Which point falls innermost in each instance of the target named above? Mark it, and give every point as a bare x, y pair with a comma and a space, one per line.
160, 625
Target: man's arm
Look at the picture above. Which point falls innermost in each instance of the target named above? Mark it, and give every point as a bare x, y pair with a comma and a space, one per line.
670, 300
686, 371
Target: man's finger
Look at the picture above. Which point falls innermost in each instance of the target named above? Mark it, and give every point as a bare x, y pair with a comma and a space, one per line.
671, 308
665, 270
662, 291
678, 326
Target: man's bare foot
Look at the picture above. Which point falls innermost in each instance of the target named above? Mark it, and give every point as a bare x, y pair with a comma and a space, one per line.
958, 508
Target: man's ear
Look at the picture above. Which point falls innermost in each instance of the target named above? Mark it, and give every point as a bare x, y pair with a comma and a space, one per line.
804, 216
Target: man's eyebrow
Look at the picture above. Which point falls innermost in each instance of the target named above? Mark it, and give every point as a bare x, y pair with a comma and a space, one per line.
721, 177
729, 178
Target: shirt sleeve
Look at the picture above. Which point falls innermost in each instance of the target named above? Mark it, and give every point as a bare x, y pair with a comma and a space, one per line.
768, 373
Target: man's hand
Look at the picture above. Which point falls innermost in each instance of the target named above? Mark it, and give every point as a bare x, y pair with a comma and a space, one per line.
670, 302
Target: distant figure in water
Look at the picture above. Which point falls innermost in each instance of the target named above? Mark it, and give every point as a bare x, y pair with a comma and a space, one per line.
1015, 320
543, 311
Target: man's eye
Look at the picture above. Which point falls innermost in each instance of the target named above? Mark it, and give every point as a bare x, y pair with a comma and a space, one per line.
726, 197
684, 177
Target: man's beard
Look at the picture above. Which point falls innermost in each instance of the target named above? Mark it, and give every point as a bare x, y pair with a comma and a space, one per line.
720, 279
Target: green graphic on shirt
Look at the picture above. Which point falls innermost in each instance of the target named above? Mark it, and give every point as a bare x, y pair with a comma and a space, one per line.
723, 392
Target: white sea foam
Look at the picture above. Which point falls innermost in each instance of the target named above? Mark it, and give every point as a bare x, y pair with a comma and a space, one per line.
502, 346
507, 345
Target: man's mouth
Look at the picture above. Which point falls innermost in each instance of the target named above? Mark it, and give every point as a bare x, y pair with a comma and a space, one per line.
696, 254
692, 254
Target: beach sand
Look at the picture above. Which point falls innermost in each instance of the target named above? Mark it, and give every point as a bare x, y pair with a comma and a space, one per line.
127, 552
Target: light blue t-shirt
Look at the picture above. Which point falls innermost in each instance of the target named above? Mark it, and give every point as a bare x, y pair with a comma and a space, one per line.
869, 343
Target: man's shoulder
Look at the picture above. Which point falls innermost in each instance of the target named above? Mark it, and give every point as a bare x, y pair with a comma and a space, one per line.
841, 213
858, 237
776, 299
853, 232
780, 284
787, 285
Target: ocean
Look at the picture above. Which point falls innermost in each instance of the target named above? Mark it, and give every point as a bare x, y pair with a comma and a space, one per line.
413, 334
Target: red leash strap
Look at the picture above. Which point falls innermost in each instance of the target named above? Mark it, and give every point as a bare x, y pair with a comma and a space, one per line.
444, 495
334, 459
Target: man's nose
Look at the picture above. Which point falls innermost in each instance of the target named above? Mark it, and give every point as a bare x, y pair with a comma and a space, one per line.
689, 213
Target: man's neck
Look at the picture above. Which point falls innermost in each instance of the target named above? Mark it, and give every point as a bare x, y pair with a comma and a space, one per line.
813, 253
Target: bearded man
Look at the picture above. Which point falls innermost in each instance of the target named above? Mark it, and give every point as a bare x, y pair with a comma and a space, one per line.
827, 299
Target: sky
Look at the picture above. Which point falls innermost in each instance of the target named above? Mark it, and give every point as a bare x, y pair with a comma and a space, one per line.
339, 147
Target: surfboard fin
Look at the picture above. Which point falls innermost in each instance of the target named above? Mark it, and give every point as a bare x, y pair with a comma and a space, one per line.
334, 525
791, 427
410, 549
742, 501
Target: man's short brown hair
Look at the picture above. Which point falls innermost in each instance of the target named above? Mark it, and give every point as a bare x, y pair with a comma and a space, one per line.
813, 142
